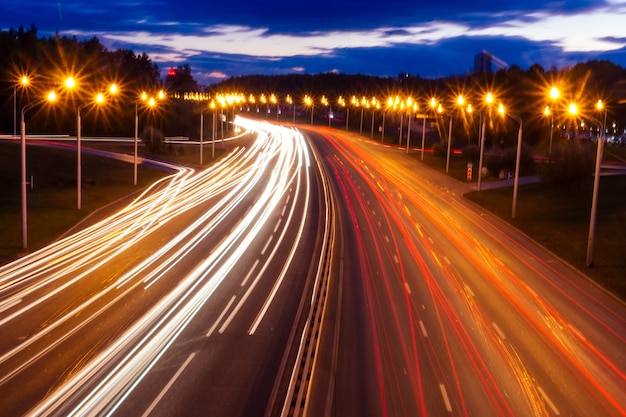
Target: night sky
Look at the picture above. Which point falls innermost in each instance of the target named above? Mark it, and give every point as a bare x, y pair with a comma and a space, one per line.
220, 39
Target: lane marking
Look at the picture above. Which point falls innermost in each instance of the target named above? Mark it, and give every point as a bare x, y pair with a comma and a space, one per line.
232, 300
548, 401
168, 386
424, 332
8, 304
280, 219
576, 332
469, 291
267, 244
446, 400
408, 289
243, 283
500, 333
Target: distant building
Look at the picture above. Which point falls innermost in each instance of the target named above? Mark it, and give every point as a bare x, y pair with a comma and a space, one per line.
485, 61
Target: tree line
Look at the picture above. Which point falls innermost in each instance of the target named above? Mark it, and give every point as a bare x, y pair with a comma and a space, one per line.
523, 92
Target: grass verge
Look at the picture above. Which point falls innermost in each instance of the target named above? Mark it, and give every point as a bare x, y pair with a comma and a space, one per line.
557, 216
52, 202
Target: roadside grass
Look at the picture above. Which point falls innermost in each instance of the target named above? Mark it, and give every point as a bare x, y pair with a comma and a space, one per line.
52, 203
557, 216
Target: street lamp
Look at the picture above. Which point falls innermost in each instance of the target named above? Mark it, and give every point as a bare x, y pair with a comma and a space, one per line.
596, 186
460, 101
324, 102
554, 95
150, 102
342, 102
517, 158
309, 102
99, 99
49, 98
290, 101
488, 101
23, 83
389, 106
412, 107
433, 106
363, 103
212, 106
375, 106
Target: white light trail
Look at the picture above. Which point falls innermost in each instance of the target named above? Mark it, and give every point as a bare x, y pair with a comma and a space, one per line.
264, 176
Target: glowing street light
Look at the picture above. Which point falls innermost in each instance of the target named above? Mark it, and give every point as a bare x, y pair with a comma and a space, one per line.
488, 101
289, 100
433, 107
342, 102
363, 103
51, 97
554, 95
387, 108
596, 186
149, 102
460, 102
412, 108
517, 158
23, 83
308, 101
375, 106
98, 99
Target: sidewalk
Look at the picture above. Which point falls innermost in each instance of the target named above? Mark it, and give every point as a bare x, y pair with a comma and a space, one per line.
491, 184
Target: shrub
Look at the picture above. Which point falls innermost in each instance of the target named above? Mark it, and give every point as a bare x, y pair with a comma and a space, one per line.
471, 152
572, 163
440, 148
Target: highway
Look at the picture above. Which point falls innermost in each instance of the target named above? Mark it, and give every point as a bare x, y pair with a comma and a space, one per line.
309, 272
437, 308
187, 301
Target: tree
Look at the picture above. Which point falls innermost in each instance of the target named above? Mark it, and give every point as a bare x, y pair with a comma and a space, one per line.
573, 163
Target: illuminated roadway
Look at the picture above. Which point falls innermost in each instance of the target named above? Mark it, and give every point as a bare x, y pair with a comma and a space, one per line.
438, 308
194, 300
186, 302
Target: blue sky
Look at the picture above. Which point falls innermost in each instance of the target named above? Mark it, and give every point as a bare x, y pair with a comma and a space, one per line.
220, 39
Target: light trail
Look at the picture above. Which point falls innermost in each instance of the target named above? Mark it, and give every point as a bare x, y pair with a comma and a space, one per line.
461, 275
273, 174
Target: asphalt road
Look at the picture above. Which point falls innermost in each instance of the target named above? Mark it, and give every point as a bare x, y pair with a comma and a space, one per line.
197, 299
186, 302
439, 309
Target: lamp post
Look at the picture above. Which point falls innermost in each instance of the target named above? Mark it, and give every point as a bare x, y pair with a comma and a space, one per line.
289, 100
342, 102
412, 107
99, 99
554, 95
460, 101
201, 135
308, 101
364, 103
596, 187
24, 214
212, 105
150, 102
489, 101
433, 106
24, 82
517, 158
401, 122
389, 106
324, 102
375, 106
